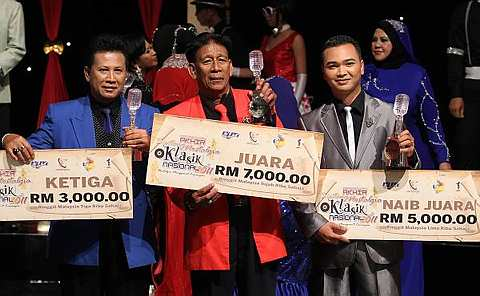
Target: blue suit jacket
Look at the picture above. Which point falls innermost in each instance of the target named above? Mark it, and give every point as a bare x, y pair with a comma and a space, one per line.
70, 125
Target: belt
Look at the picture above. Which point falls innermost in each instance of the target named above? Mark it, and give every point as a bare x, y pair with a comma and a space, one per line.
472, 73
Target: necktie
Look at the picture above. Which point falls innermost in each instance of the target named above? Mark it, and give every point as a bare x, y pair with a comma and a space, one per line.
107, 122
350, 133
220, 108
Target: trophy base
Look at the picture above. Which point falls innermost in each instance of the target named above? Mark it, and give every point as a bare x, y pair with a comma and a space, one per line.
397, 168
396, 165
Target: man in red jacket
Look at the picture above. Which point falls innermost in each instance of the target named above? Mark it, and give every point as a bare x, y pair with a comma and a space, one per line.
230, 241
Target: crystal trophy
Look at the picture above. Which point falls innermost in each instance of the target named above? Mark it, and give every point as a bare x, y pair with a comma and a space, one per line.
134, 101
128, 82
393, 157
258, 108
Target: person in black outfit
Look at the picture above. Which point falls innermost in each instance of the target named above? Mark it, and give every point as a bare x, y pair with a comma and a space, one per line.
211, 13
463, 56
464, 83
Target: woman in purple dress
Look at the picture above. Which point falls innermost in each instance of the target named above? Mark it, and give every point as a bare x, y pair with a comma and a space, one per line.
394, 70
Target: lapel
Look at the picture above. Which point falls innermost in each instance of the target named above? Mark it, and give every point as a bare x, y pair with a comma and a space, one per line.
241, 102
331, 125
370, 120
196, 109
82, 123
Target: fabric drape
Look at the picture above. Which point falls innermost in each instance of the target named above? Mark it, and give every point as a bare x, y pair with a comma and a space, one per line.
150, 12
54, 89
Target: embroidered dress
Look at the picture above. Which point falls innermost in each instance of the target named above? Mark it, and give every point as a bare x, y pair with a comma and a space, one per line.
399, 73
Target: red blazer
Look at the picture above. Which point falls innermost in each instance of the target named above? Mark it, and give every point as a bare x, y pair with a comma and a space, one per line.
207, 229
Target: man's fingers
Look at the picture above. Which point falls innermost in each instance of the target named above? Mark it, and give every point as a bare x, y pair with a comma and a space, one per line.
211, 194
339, 229
13, 153
216, 196
200, 193
29, 150
341, 238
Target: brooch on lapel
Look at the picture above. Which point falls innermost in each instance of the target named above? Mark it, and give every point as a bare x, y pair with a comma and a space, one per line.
369, 122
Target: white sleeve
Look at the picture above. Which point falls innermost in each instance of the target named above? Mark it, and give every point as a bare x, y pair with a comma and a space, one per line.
300, 86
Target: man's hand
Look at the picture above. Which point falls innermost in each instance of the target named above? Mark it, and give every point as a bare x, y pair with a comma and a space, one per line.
331, 233
444, 166
456, 107
137, 139
266, 92
406, 142
204, 196
18, 148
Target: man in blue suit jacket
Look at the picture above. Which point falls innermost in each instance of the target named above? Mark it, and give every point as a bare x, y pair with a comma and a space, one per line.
99, 257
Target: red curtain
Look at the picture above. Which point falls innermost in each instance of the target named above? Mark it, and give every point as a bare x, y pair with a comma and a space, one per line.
150, 11
54, 89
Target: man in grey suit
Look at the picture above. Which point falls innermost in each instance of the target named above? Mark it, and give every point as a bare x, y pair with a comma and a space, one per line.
356, 128
12, 50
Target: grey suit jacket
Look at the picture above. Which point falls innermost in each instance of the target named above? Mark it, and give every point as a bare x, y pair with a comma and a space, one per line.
12, 43
378, 124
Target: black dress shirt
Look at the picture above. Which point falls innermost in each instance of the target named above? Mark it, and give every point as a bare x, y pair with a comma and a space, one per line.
357, 111
208, 105
102, 138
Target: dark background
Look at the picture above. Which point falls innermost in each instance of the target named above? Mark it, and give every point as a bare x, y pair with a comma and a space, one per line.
316, 20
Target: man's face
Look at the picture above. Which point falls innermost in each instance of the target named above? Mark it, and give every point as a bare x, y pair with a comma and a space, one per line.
342, 69
212, 70
106, 76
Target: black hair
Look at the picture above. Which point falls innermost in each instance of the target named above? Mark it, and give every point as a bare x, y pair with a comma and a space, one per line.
204, 39
105, 43
164, 38
135, 47
338, 40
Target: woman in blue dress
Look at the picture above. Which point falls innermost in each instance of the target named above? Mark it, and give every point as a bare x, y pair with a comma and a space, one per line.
294, 269
394, 70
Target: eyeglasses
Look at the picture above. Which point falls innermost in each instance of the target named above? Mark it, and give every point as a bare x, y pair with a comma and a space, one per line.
268, 11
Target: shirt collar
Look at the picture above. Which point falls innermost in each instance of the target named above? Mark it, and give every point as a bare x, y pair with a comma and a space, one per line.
208, 105
114, 106
357, 105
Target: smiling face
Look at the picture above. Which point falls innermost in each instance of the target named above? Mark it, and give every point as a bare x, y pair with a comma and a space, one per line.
342, 70
381, 46
212, 69
148, 59
106, 76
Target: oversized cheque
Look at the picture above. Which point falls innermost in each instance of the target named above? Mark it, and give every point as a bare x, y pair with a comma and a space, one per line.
239, 158
67, 184
402, 205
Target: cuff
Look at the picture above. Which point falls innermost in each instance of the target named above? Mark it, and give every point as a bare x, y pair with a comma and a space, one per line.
3, 138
